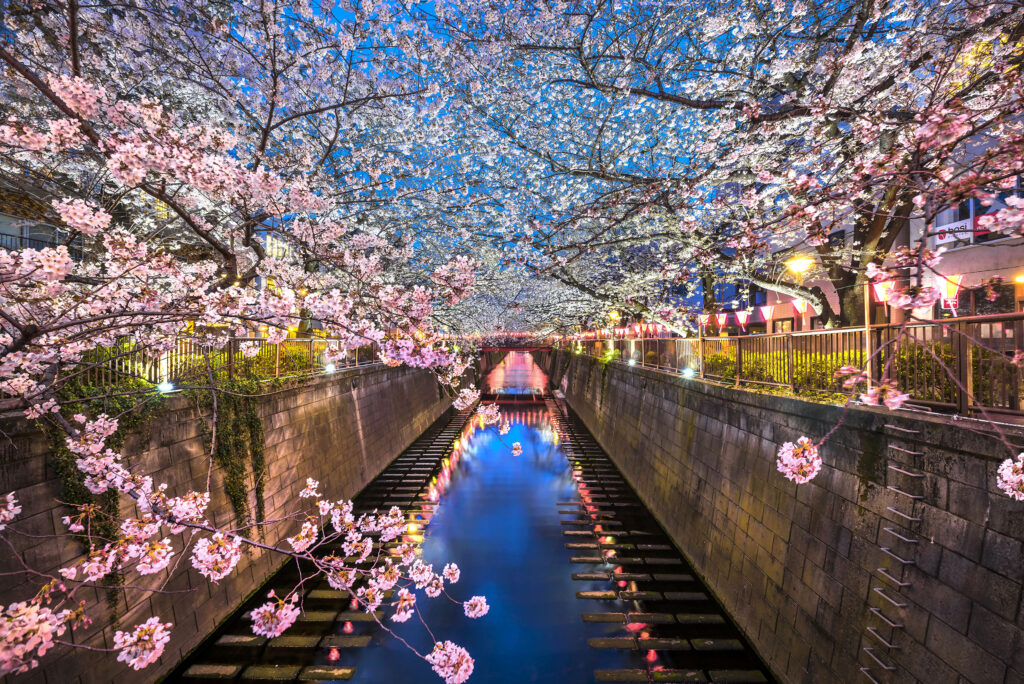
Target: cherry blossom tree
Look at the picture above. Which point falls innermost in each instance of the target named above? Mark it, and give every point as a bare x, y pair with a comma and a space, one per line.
229, 167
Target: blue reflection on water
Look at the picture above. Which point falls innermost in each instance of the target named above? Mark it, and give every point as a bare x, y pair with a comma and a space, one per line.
499, 521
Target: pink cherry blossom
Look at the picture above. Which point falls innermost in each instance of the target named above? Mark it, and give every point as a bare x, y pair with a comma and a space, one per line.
9, 508
1010, 477
404, 606
272, 618
144, 645
451, 662
215, 557
799, 462
476, 607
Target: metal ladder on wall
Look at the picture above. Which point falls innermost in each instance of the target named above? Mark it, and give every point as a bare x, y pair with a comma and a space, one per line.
899, 542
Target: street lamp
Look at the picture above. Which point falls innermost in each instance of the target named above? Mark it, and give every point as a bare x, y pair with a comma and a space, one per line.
799, 265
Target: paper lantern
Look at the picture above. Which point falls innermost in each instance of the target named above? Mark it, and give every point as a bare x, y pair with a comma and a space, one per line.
950, 287
742, 317
722, 319
766, 311
800, 306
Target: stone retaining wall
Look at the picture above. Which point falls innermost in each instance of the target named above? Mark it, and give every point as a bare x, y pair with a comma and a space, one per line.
341, 429
800, 568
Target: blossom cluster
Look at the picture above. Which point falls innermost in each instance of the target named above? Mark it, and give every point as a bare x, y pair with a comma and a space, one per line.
799, 461
1010, 477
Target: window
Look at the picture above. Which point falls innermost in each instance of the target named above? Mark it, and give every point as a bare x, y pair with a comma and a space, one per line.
783, 325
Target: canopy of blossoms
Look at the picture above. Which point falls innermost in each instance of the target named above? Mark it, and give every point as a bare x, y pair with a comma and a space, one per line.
407, 174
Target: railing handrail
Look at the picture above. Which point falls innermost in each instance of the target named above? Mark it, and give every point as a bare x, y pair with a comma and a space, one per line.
945, 363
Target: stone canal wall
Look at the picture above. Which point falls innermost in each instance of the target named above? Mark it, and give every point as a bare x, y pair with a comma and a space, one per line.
902, 545
341, 429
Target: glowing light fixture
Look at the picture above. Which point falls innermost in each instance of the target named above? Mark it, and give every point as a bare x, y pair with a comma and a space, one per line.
1019, 279
722, 319
742, 317
800, 265
766, 312
883, 291
800, 306
632, 362
330, 368
688, 373
704, 319
165, 387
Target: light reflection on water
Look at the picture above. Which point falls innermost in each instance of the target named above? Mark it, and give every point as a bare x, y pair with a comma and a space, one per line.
497, 518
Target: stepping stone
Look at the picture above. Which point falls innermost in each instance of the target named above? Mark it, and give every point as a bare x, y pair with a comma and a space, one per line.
662, 644
700, 619
640, 595
271, 673
587, 559
318, 616
322, 673
621, 675
634, 576
241, 640
617, 618
595, 576
294, 641
670, 577
737, 676
345, 641
663, 561
581, 545
213, 671
717, 644
612, 642
654, 547
686, 596
653, 618
359, 616
596, 595
678, 676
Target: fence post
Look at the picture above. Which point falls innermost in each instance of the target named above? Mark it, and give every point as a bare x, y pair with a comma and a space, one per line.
277, 359
789, 362
964, 368
312, 358
700, 355
231, 358
739, 359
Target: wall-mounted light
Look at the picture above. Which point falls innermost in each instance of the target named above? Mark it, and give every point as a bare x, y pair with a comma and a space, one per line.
165, 387
330, 368
688, 373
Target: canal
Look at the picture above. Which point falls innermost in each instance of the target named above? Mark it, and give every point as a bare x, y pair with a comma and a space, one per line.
583, 584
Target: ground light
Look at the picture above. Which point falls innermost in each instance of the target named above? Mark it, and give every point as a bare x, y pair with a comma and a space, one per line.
632, 362
688, 373
330, 368
165, 387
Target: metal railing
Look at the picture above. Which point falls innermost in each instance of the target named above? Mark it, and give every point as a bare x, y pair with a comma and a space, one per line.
240, 358
963, 365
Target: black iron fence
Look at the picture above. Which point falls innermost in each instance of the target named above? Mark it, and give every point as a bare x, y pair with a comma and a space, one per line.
191, 360
965, 365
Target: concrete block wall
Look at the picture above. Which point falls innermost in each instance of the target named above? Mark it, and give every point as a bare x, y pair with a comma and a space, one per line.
341, 429
800, 568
